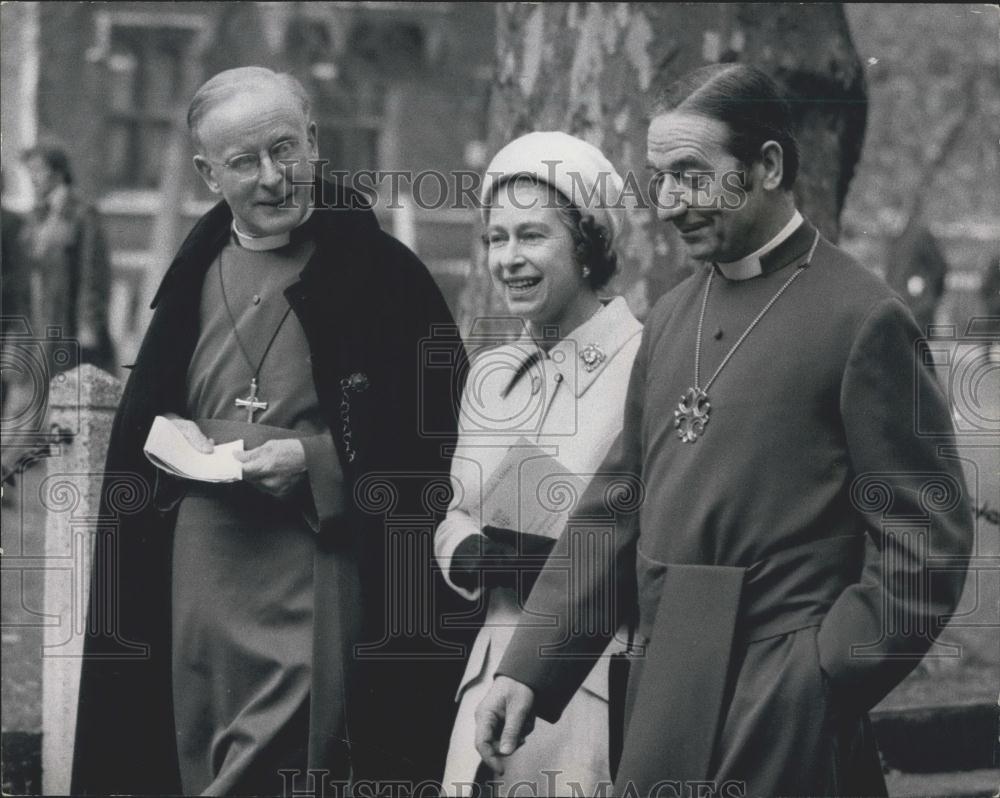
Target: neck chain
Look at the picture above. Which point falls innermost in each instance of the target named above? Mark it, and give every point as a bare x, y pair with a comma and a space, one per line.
692, 413
252, 402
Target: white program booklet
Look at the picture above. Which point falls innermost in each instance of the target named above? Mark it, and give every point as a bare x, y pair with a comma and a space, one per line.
168, 449
530, 491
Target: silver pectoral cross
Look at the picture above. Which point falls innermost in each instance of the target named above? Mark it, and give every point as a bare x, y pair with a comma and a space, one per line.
252, 403
692, 415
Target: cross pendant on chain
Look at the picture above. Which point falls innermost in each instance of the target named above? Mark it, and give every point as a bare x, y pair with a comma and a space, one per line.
252, 403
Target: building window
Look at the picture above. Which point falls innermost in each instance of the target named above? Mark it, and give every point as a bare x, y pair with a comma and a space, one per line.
348, 148
350, 117
144, 58
348, 96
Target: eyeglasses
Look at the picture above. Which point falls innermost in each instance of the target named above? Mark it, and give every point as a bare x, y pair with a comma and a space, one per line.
246, 166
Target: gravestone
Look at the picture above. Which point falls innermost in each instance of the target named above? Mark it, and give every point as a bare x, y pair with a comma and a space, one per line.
82, 401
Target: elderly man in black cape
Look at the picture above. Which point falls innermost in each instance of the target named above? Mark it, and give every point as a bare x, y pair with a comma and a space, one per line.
772, 420
283, 632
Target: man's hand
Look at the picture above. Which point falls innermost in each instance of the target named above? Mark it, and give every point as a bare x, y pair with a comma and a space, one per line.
193, 433
503, 719
276, 467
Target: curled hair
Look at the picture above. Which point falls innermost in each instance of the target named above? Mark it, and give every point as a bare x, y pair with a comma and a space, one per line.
593, 245
231, 81
746, 101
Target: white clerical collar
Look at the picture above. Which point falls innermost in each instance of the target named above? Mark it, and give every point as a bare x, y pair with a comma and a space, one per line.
749, 265
264, 243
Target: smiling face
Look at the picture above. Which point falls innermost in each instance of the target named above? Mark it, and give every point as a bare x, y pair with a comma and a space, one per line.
531, 257
261, 121
717, 203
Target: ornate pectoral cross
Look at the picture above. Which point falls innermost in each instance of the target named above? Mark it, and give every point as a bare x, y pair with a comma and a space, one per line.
252, 403
692, 415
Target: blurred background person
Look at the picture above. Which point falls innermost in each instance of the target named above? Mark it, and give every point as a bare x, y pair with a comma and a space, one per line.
67, 264
16, 388
558, 390
916, 271
14, 298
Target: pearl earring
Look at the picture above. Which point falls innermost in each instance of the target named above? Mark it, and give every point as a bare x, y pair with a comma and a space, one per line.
586, 272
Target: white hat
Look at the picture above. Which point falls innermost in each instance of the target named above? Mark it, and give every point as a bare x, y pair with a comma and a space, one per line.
576, 169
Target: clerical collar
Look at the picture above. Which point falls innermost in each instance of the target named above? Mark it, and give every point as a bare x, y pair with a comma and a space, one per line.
264, 243
750, 265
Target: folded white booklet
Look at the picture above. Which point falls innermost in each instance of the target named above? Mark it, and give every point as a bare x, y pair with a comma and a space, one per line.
530, 491
168, 449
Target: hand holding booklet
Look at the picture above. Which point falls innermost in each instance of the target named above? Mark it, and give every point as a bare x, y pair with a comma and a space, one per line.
168, 449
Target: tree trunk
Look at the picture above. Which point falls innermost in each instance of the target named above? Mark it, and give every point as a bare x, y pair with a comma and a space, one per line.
591, 69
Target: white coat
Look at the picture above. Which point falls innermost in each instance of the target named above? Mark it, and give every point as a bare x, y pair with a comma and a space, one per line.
570, 403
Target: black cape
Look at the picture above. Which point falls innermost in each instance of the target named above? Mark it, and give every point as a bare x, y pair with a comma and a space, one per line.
388, 366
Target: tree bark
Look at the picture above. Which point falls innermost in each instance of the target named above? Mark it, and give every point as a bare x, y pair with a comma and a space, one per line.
591, 69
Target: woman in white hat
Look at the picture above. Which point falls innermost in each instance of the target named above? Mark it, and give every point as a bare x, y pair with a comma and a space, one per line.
538, 416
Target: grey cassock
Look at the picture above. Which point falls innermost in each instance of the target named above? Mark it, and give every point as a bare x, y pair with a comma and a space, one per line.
242, 590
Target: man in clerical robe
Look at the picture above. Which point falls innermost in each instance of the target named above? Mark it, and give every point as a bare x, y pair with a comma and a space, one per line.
242, 635
771, 419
